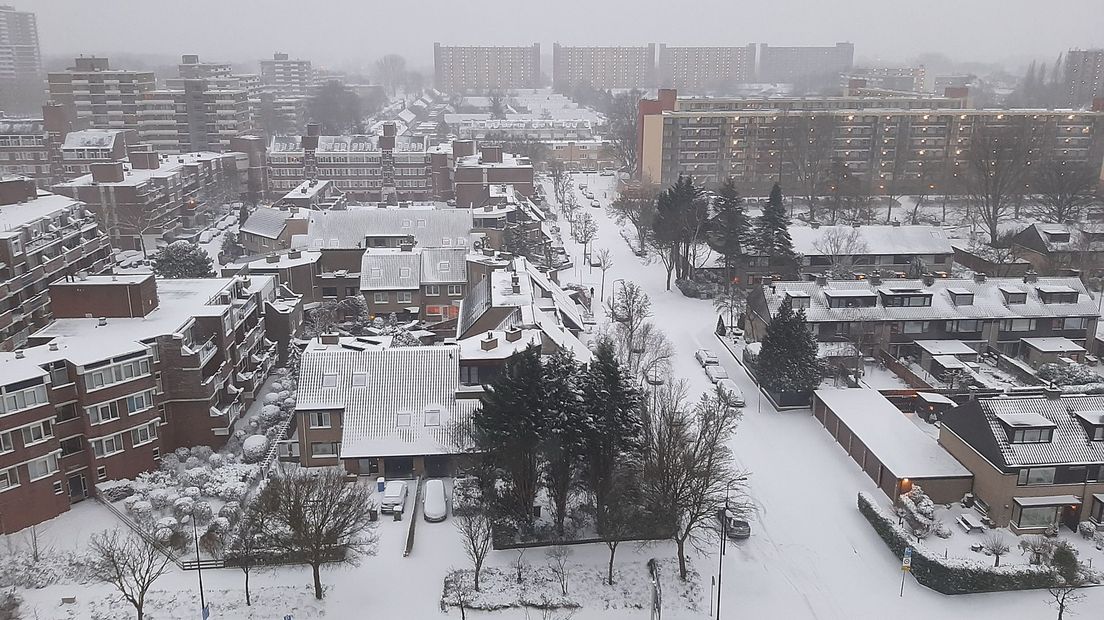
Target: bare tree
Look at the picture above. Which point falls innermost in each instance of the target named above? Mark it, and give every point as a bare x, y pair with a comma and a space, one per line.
996, 545
809, 149
476, 535
561, 181
586, 232
1064, 190
623, 126
391, 72
630, 308
605, 263
131, 563
731, 302
996, 169
840, 245
620, 515
245, 554
558, 558
636, 206
316, 518
689, 471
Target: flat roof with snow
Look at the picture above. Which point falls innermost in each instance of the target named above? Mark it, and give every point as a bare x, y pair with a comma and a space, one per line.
946, 347
1025, 420
904, 449
1048, 500
1053, 345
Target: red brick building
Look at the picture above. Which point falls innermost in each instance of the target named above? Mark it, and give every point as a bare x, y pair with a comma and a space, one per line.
462, 174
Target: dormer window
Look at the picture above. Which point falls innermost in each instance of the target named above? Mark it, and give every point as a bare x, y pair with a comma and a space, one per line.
905, 298
1027, 427
850, 299
961, 297
1057, 236
1092, 422
798, 299
1013, 296
1057, 294
329, 380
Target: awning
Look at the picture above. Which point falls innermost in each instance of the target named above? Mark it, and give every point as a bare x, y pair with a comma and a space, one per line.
1048, 500
413, 309
934, 399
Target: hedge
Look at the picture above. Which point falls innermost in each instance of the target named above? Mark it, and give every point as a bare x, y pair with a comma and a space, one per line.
951, 575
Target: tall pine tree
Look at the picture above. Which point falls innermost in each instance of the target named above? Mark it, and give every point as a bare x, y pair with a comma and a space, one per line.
772, 234
614, 431
562, 443
509, 428
788, 361
730, 228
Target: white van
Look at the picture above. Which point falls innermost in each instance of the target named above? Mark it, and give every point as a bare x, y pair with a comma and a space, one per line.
434, 508
394, 497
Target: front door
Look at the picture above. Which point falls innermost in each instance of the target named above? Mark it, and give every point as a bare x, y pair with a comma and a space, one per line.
1071, 516
77, 488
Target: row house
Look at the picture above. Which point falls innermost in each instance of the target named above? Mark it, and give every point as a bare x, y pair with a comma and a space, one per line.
44, 237
1062, 249
412, 282
464, 175
269, 230
1037, 461
891, 315
154, 193
212, 341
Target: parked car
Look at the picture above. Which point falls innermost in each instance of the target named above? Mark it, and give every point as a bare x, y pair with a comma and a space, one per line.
716, 372
705, 357
595, 204
434, 508
394, 497
731, 391
736, 529
205, 236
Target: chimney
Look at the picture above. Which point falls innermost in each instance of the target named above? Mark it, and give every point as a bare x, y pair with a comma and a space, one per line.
330, 339
1030, 276
491, 154
272, 258
488, 252
107, 173
463, 148
822, 279
19, 354
515, 284
875, 278
979, 277
928, 279
1052, 392
145, 160
53, 346
488, 342
102, 321
513, 334
295, 254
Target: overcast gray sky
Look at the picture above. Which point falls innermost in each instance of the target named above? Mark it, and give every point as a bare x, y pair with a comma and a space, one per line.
334, 32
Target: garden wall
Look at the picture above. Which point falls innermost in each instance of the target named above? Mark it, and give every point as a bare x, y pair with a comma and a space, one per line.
950, 575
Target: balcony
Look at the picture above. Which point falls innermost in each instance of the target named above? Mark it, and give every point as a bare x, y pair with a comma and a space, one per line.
206, 351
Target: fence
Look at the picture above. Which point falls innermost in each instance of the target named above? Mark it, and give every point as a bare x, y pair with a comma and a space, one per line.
413, 518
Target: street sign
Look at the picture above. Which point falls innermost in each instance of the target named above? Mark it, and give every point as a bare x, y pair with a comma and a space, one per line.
906, 561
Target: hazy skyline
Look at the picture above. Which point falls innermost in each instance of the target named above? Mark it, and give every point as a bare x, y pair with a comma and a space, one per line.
348, 32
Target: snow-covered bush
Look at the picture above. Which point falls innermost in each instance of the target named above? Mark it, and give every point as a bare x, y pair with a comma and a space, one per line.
216, 461
192, 492
219, 525
202, 452
129, 502
271, 415
168, 523
115, 490
271, 399
254, 448
231, 511
1087, 529
159, 498
918, 510
193, 462
197, 477
1067, 374
183, 507
142, 511
276, 386
182, 454
202, 512
289, 403
169, 462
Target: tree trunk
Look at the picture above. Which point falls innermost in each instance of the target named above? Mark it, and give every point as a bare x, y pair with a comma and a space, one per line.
478, 567
248, 602
140, 615
609, 577
681, 544
317, 582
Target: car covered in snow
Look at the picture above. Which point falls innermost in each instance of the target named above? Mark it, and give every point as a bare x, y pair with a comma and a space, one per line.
733, 527
706, 357
393, 498
731, 391
716, 372
434, 507
595, 204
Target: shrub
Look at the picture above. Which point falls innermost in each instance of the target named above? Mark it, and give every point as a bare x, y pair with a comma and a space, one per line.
220, 525
197, 477
1087, 529
254, 448
216, 461
270, 398
182, 454
953, 575
202, 452
169, 462
212, 543
183, 507
192, 492
116, 491
231, 511
193, 462
202, 512
159, 498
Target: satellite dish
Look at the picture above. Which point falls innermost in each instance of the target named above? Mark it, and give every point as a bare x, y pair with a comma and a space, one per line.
477, 244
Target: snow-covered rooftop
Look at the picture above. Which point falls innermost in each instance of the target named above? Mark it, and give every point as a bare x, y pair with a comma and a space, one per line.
169, 166
869, 240
1053, 345
900, 445
91, 139
430, 227
946, 347
267, 222
45, 205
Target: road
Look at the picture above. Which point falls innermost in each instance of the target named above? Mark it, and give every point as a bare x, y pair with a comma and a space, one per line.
812, 555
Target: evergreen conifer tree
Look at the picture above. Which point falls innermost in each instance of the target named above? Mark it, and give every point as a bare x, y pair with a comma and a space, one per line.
181, 259
730, 229
788, 361
562, 440
772, 234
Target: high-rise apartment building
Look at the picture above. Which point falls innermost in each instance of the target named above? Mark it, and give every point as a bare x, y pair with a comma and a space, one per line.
193, 116
703, 69
21, 87
1085, 75
107, 97
603, 66
458, 69
901, 79
286, 76
886, 143
191, 68
804, 63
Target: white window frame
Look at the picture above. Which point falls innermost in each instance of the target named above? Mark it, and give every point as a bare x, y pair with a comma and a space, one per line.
112, 374
45, 427
404, 297
110, 406
6, 444
381, 298
456, 290
325, 455
51, 461
320, 419
9, 479
145, 395
136, 434
432, 290
99, 445
22, 400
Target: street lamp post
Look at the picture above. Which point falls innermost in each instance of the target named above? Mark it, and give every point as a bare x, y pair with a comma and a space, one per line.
724, 540
199, 571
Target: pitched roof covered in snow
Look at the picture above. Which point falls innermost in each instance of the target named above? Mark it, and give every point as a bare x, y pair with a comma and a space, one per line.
389, 269
900, 445
988, 425
395, 402
266, 222
431, 228
992, 298
870, 240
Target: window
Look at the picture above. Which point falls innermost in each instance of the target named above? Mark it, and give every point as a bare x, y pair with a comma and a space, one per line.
105, 412
143, 434
455, 290
381, 298
914, 327
360, 379
1036, 475
1014, 297
329, 291
1075, 323
324, 448
139, 402
117, 373
404, 272
59, 374
24, 399
319, 419
1017, 325
432, 290
6, 442
432, 417
101, 473
9, 478
966, 326
1032, 435
443, 266
351, 291
402, 419
41, 468
1036, 516
329, 380
404, 297
37, 433
108, 445
58, 488
71, 446
66, 412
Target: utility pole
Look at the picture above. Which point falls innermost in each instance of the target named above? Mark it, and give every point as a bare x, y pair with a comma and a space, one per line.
199, 571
